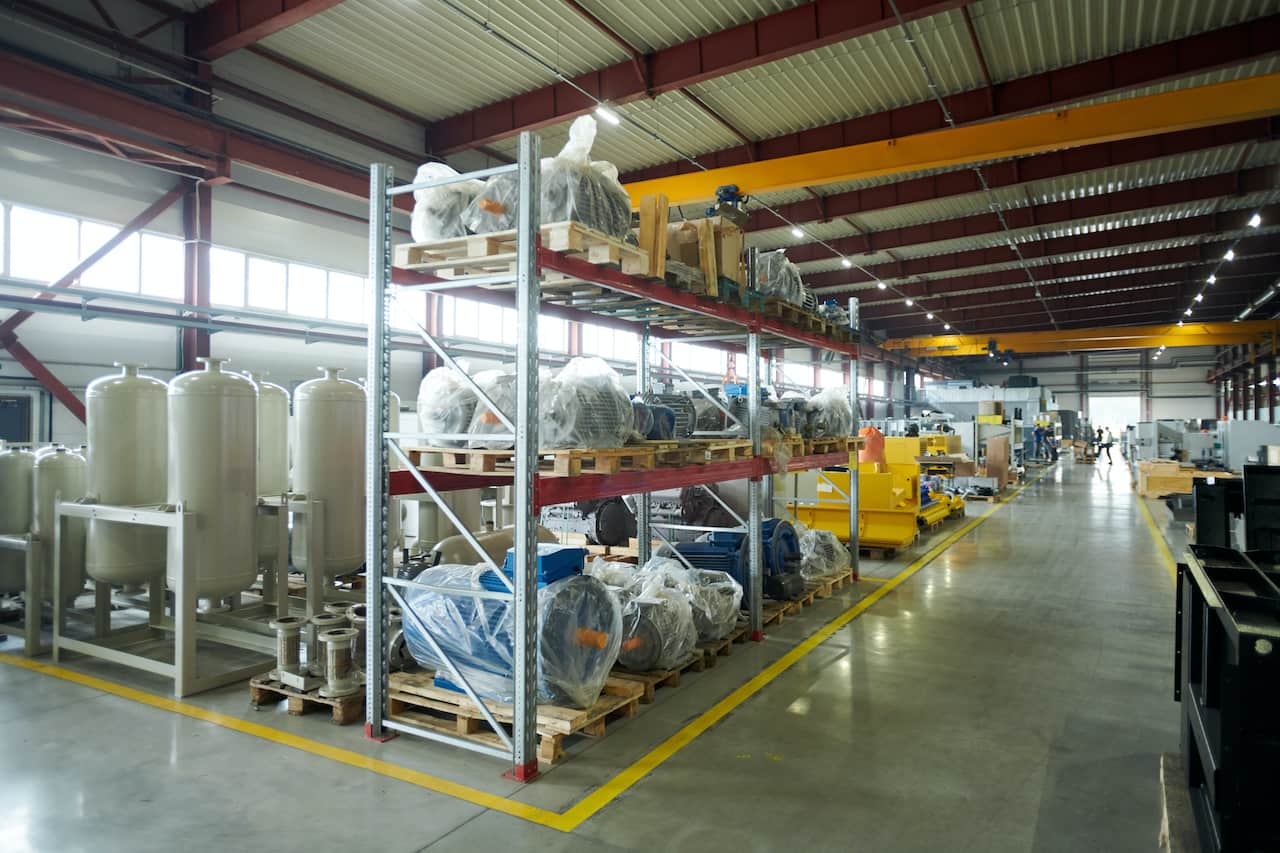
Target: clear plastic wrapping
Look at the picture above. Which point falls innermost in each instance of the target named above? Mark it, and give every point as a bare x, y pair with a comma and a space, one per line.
437, 211
829, 413
573, 187
446, 404
579, 635
657, 617
500, 387
821, 553
585, 405
778, 277
833, 313
715, 597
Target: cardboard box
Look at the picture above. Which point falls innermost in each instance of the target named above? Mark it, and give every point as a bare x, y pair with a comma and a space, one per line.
990, 407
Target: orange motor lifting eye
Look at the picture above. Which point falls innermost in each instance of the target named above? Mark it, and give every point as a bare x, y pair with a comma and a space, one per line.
632, 644
592, 639
489, 205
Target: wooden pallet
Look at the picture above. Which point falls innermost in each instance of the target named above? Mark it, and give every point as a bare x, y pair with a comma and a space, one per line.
615, 553
877, 553
488, 254
814, 446
656, 678
795, 315
712, 650
827, 585
720, 449
568, 462
414, 699
265, 691
775, 611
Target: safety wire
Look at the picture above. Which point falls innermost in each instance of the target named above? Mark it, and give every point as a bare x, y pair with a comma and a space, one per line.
992, 202
845, 261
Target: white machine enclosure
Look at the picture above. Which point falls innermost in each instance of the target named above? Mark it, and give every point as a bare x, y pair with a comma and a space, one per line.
213, 471
16, 471
60, 476
328, 466
273, 457
128, 461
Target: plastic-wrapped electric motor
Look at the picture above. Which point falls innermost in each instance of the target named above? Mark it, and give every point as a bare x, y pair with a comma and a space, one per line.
585, 405
658, 629
446, 404
573, 187
437, 211
579, 635
833, 313
829, 413
500, 387
821, 553
776, 276
715, 597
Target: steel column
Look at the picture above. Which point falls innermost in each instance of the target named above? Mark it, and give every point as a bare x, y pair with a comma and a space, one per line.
377, 470
853, 469
755, 551
197, 232
644, 510
528, 296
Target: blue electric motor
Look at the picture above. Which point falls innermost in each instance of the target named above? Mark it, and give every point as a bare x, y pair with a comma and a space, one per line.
726, 551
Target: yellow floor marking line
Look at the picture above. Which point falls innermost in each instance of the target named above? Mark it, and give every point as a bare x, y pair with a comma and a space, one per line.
334, 753
1162, 547
599, 798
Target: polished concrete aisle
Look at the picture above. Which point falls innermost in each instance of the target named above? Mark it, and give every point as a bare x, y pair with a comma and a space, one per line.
1012, 695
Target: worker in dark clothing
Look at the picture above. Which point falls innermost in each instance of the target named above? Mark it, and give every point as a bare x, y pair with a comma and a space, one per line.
1097, 443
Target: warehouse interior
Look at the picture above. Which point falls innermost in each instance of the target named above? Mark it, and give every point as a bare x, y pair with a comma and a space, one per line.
479, 424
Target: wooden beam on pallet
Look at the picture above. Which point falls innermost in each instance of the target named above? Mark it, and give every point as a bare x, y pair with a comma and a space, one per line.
654, 212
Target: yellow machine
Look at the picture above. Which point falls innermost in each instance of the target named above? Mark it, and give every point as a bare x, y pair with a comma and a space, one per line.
890, 511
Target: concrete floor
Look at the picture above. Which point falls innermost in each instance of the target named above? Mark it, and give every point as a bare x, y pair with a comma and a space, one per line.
1014, 694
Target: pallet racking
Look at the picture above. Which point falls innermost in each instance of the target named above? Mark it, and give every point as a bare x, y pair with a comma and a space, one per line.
653, 309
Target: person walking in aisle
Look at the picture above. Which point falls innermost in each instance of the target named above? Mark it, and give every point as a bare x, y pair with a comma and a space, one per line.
1107, 442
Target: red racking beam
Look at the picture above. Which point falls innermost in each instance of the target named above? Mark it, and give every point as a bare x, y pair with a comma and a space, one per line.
777, 36
228, 25
1126, 71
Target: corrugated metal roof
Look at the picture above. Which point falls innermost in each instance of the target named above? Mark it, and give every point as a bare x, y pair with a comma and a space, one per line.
775, 238
1263, 154
429, 60
833, 263
671, 116
655, 24
1021, 37
1269, 65
868, 74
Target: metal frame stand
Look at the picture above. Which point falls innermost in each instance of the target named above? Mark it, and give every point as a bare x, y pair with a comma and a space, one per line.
185, 625
32, 624
382, 590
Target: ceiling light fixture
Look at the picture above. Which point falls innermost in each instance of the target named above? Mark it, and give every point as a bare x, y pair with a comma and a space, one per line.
797, 233
1255, 220
1005, 362
1213, 279
1230, 255
1187, 312
846, 263
1199, 297
1179, 322
607, 114
946, 326
882, 285
910, 302
929, 316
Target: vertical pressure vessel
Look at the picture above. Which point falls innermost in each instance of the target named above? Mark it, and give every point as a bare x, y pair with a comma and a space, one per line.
15, 513
213, 471
128, 455
328, 466
60, 476
273, 457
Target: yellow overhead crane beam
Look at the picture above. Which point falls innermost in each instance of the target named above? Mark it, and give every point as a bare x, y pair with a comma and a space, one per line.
1202, 106
1084, 340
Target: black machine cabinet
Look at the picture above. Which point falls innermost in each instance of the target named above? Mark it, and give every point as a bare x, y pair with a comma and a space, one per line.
1256, 496
1262, 506
1227, 665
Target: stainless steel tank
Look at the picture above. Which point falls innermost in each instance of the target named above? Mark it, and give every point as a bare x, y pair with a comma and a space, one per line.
60, 476
213, 470
128, 457
15, 513
273, 456
328, 466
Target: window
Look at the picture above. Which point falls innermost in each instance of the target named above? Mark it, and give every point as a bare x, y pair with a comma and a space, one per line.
163, 267
118, 270
794, 373
307, 286
509, 333
877, 388
226, 277
553, 334
267, 284
832, 378
346, 297
43, 246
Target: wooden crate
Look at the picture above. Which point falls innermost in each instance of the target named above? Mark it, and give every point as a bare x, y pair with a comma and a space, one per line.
1159, 477
827, 585
568, 462
414, 699
345, 710
488, 254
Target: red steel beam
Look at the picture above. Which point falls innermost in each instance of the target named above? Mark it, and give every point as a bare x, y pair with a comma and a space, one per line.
1052, 213
134, 225
229, 25
1191, 55
197, 231
42, 374
1038, 167
1109, 264
777, 36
